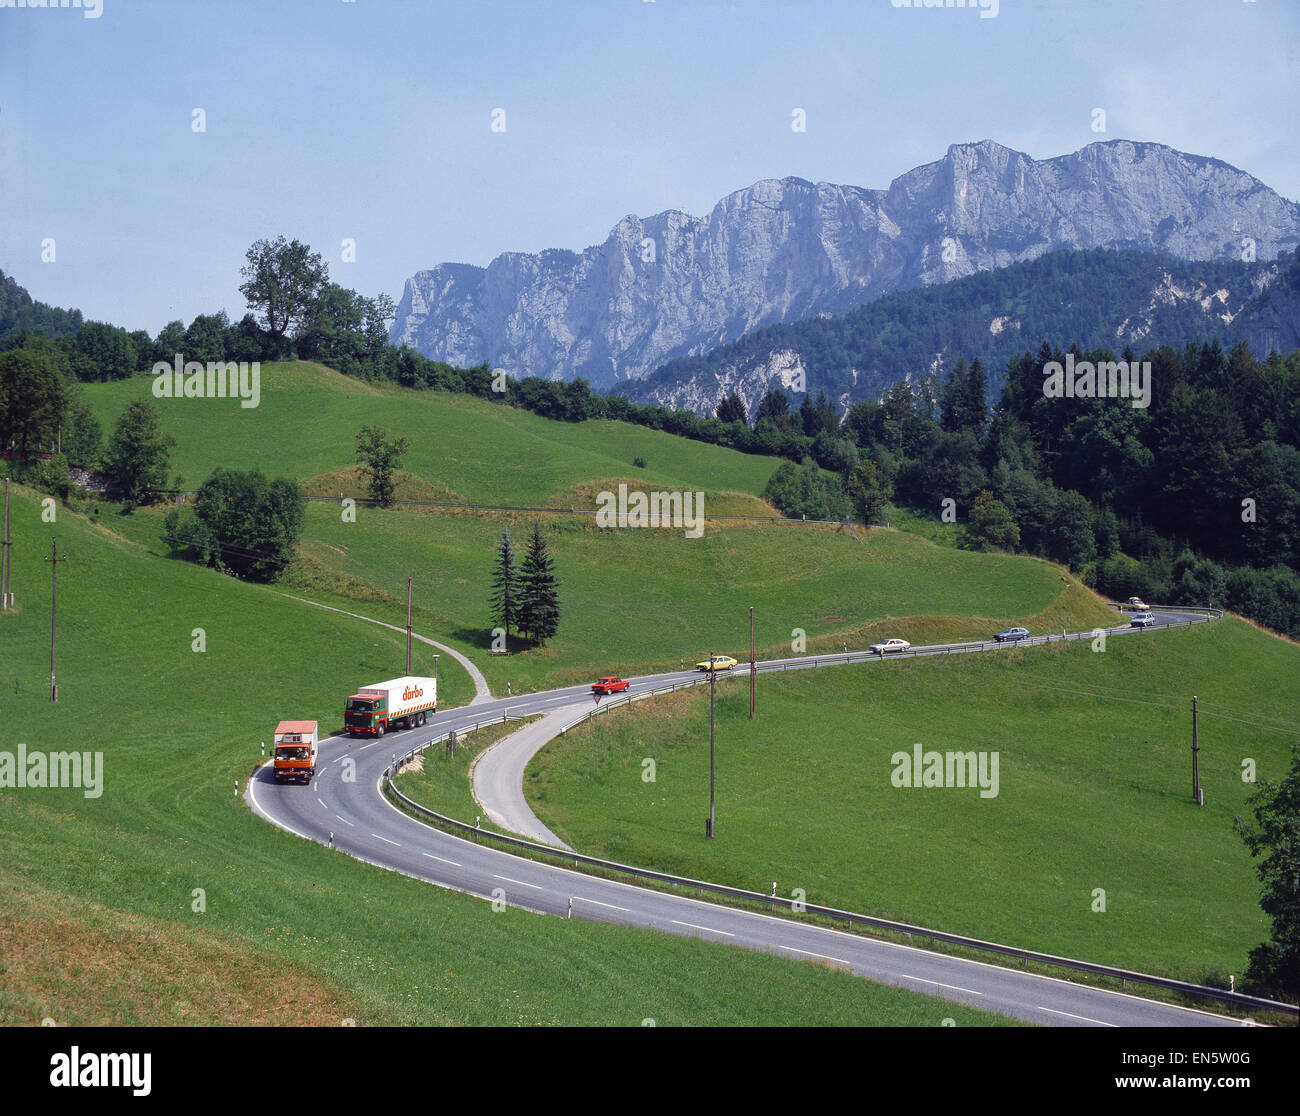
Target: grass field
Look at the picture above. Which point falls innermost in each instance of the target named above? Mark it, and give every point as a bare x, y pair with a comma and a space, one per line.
98, 895
461, 448
632, 600
1094, 791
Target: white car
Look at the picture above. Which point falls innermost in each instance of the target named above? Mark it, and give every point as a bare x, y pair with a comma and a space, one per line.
889, 645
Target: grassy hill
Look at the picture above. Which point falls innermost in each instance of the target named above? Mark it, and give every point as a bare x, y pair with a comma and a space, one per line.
98, 895
632, 600
1094, 791
476, 451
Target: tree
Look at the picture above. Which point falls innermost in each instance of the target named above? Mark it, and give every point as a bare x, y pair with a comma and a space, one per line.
732, 409
32, 400
868, 494
991, 526
138, 453
283, 280
1274, 967
505, 587
241, 522
539, 602
379, 457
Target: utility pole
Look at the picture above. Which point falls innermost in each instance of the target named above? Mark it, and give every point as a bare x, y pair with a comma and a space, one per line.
752, 667
54, 604
409, 583
6, 594
713, 677
1196, 760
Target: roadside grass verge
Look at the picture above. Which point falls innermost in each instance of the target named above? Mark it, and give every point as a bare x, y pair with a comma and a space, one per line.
1094, 792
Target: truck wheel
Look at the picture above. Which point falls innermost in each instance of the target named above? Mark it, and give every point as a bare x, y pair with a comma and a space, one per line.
379, 729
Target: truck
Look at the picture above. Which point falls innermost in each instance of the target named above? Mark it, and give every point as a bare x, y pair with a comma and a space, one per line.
296, 751
377, 708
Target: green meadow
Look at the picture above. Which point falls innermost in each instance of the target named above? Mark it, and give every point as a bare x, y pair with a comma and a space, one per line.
1094, 791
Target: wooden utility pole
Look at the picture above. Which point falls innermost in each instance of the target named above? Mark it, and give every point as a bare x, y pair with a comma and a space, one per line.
54, 604
752, 667
1196, 760
713, 677
409, 583
6, 592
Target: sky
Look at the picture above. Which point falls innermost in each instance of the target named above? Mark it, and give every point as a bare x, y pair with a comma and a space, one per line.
372, 120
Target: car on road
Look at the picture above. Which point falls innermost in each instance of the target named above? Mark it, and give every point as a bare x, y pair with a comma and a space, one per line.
1135, 604
1142, 620
611, 684
720, 662
888, 645
1011, 635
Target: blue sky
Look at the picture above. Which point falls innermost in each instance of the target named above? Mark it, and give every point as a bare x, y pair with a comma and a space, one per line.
371, 119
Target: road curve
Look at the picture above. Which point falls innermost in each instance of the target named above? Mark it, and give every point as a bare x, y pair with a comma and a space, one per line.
359, 820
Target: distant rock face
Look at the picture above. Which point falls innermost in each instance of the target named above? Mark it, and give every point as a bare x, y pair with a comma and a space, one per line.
674, 285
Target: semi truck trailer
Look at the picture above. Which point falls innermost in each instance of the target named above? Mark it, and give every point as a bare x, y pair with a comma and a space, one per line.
377, 708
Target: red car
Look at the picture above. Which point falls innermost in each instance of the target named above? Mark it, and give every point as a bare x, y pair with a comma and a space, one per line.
611, 685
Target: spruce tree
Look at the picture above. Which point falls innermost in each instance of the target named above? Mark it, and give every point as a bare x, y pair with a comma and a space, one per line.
505, 587
539, 602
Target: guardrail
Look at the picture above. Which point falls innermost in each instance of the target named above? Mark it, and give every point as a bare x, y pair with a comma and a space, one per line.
851, 918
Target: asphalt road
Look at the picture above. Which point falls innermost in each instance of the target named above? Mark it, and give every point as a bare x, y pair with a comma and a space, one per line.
364, 824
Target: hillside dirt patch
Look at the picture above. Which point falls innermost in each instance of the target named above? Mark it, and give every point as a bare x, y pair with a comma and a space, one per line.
81, 964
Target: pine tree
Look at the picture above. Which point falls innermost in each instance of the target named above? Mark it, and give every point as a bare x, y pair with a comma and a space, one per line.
539, 602
505, 587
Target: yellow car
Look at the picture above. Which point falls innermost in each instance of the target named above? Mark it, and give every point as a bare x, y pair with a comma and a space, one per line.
720, 662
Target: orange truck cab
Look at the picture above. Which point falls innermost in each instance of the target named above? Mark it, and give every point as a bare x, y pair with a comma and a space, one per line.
295, 751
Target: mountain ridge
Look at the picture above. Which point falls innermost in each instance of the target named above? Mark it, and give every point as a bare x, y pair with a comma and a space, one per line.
782, 249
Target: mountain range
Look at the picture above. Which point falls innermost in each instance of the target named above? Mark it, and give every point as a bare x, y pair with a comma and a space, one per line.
674, 285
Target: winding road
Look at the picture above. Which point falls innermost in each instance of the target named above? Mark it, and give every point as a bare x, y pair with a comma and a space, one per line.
359, 820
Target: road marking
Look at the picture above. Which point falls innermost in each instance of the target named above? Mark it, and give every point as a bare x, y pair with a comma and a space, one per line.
598, 903
322, 802
370, 745
822, 956
708, 929
1083, 1017
385, 839
940, 984
345, 820
519, 882
443, 859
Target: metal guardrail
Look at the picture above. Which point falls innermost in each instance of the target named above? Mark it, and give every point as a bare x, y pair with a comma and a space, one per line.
849, 917
797, 907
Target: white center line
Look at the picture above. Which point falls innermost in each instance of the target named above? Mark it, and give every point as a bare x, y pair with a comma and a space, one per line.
1083, 1017
598, 903
322, 802
940, 984
519, 882
443, 859
345, 820
709, 929
385, 839
823, 956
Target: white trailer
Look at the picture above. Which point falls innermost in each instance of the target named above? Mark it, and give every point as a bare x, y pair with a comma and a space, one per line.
402, 702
